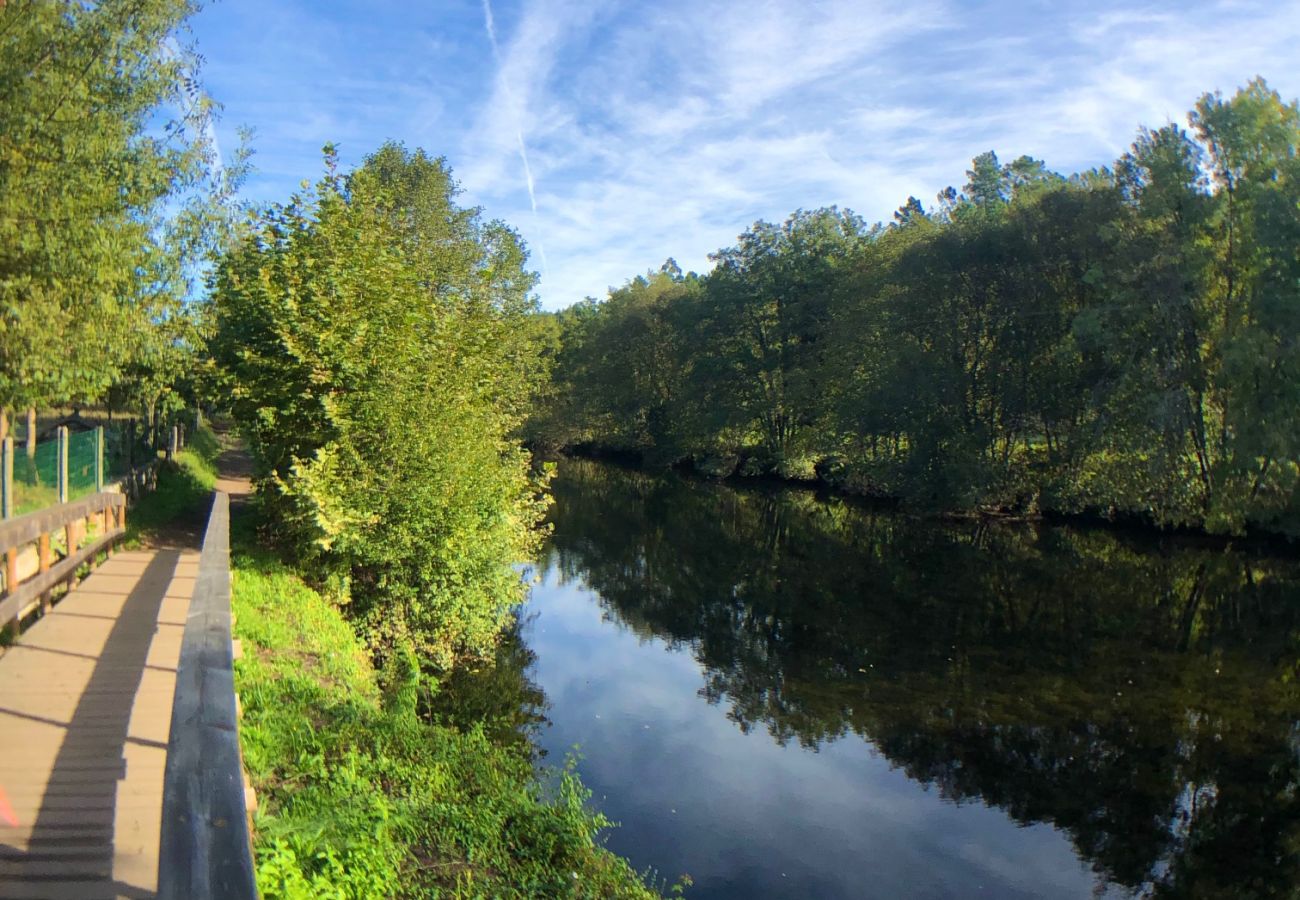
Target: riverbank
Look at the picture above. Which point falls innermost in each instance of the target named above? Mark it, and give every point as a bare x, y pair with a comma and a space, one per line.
358, 796
735, 471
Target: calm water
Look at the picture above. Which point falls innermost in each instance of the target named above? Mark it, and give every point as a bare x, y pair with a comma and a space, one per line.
787, 696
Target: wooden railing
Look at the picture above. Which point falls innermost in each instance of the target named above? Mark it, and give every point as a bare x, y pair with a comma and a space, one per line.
138, 481
88, 527
206, 852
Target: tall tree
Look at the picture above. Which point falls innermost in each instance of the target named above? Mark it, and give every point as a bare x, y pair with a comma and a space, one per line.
373, 333
104, 214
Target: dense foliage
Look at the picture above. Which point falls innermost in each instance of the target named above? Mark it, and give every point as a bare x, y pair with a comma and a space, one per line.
111, 197
1121, 340
374, 335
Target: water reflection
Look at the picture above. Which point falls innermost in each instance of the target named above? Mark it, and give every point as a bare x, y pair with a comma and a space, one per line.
958, 683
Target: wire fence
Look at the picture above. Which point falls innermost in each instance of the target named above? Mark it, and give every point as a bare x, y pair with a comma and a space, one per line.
83, 462
36, 478
35, 483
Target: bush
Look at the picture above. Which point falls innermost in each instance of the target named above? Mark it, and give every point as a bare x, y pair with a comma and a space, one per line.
360, 798
373, 336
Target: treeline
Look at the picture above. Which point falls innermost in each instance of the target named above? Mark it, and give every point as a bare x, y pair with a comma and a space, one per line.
1122, 340
112, 198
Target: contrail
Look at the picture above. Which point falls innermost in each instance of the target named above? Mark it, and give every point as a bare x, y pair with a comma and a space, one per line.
490, 23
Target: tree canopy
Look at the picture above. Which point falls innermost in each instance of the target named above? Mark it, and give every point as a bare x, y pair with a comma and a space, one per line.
1121, 340
375, 339
111, 199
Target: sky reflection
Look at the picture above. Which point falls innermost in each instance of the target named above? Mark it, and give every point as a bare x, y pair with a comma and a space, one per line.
743, 815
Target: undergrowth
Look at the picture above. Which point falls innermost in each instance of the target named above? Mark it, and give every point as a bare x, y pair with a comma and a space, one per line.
181, 495
359, 797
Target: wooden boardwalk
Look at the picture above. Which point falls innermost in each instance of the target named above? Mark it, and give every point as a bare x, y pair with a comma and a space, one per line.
85, 710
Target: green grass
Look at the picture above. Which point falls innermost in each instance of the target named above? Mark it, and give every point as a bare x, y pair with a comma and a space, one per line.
358, 796
182, 495
29, 498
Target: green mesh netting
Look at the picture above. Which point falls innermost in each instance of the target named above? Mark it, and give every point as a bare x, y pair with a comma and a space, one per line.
83, 453
36, 478
120, 450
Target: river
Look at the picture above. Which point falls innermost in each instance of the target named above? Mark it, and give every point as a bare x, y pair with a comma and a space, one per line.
783, 694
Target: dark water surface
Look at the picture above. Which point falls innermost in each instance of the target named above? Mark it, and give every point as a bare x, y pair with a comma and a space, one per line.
791, 696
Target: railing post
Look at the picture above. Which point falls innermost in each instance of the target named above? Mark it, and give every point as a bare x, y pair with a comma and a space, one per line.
99, 459
11, 585
63, 464
7, 479
44, 558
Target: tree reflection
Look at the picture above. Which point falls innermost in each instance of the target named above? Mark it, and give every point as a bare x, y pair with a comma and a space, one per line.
1139, 693
501, 698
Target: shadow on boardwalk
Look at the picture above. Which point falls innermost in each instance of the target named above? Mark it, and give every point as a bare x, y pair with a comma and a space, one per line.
85, 706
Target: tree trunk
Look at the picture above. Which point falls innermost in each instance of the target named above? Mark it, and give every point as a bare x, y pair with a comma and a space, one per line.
31, 431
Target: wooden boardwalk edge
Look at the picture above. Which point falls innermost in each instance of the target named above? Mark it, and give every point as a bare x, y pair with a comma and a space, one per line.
206, 850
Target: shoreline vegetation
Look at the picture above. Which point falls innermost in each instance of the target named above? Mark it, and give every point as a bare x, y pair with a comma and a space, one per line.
361, 792
1118, 343
1264, 541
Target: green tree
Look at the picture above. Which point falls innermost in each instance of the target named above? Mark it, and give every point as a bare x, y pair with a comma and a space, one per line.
1252, 141
105, 216
374, 335
767, 312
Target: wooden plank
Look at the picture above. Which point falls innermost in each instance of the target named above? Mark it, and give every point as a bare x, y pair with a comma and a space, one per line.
205, 850
83, 731
30, 590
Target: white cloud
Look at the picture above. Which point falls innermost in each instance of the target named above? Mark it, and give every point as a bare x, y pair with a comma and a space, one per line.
664, 129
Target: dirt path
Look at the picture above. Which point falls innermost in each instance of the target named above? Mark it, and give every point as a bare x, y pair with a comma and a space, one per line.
234, 472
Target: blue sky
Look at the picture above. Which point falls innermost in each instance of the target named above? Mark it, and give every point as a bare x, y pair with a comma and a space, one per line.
613, 134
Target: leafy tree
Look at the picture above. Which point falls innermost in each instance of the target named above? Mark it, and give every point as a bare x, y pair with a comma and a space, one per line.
374, 334
1252, 141
104, 216
767, 308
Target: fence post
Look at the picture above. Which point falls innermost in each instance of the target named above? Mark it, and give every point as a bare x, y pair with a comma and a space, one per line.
63, 464
99, 459
7, 479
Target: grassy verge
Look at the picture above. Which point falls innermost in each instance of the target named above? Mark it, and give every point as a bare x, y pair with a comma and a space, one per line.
181, 497
359, 797
362, 798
